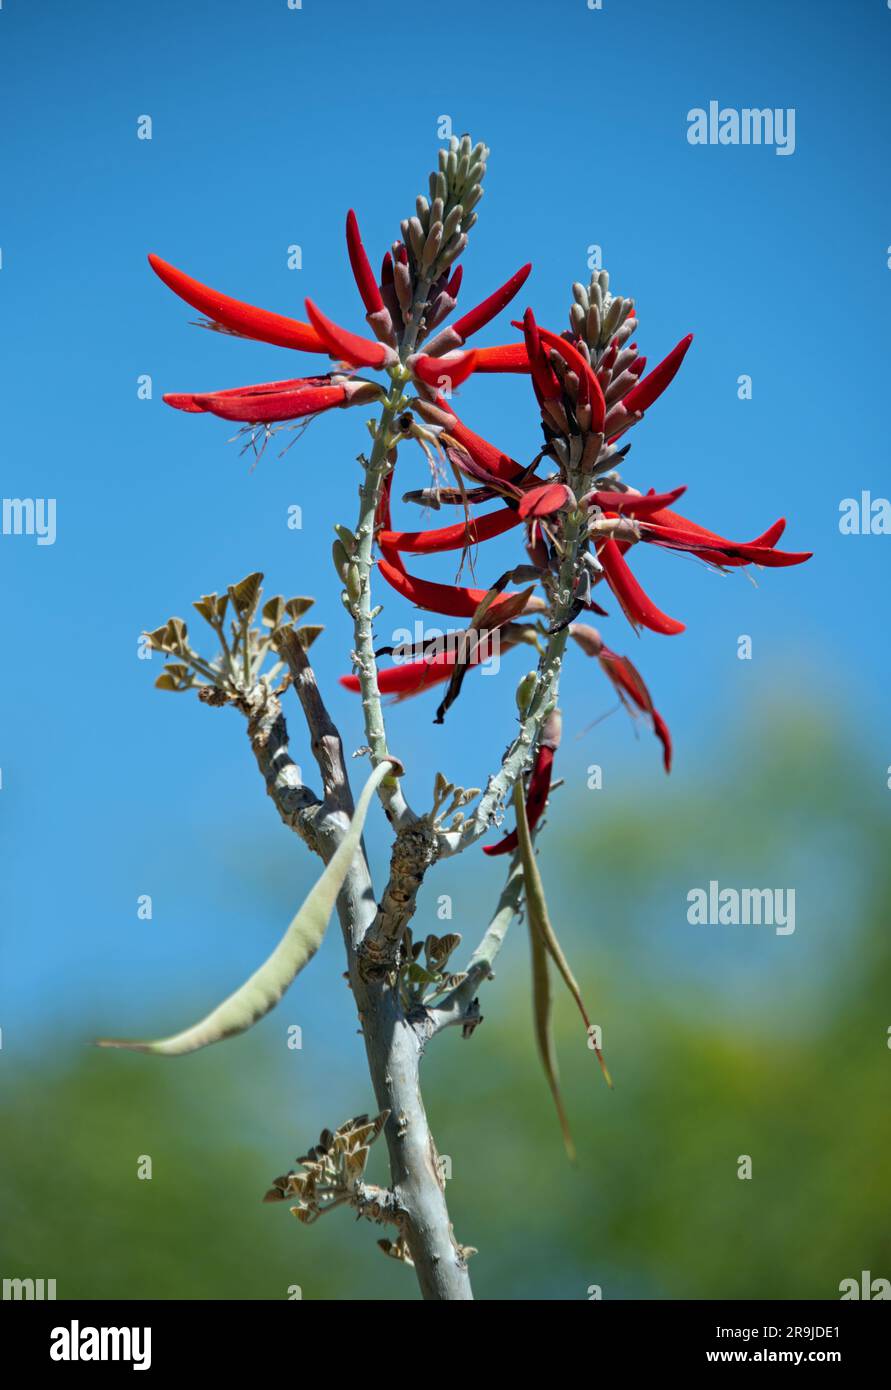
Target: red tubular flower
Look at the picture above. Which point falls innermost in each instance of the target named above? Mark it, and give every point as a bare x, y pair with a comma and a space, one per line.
450, 599
457, 537
265, 407
638, 607
508, 357
650, 388
188, 400
346, 346
274, 401
667, 529
544, 380
477, 318
362, 272
411, 677
630, 685
455, 368
665, 517
236, 316
634, 503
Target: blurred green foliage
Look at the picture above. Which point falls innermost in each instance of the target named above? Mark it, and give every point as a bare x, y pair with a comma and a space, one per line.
723, 1041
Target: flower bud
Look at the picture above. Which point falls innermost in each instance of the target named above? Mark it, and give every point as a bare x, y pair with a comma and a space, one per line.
525, 691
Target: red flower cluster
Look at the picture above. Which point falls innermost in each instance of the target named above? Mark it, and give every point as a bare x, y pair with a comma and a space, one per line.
444, 364
591, 389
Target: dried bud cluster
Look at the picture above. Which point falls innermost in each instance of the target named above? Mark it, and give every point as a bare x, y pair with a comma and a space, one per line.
333, 1171
234, 671
422, 983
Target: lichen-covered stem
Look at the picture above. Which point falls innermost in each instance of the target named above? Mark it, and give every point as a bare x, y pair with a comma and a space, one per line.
544, 696
377, 467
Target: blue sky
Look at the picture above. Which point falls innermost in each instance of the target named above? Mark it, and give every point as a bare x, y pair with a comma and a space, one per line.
267, 124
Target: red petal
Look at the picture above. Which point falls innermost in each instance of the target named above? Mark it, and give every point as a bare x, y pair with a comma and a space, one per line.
638, 607
231, 313
628, 681
362, 272
477, 318
458, 537
349, 347
182, 401
544, 500
650, 388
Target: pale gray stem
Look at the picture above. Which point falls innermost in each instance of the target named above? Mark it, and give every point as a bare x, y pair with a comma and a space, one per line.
297, 806
393, 1045
458, 1005
376, 469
